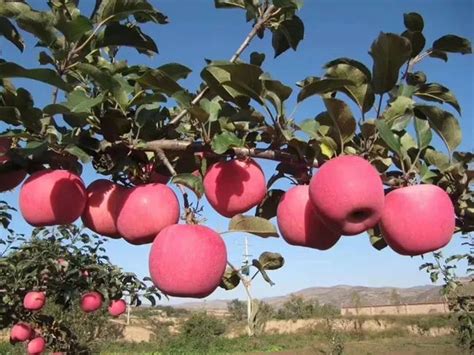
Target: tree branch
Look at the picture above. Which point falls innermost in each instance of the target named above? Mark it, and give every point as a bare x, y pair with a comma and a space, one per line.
178, 145
260, 23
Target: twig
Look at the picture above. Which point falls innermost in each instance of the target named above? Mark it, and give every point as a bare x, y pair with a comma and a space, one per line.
261, 22
189, 214
178, 145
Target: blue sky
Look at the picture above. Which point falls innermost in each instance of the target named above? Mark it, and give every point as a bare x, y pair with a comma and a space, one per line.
333, 29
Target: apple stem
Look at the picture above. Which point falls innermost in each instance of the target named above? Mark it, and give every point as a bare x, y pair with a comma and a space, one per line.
189, 214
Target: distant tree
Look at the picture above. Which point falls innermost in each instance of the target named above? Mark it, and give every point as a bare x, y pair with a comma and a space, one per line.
356, 301
237, 309
395, 298
299, 308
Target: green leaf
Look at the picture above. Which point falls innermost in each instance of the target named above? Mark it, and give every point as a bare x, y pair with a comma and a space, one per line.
376, 238
416, 78
78, 101
40, 24
438, 93
48, 76
413, 21
389, 52
253, 225
161, 81
212, 108
453, 44
388, 136
228, 4
437, 159
277, 93
398, 110
268, 207
78, 152
117, 34
262, 271
287, 34
34, 148
175, 71
106, 82
10, 115
257, 58
439, 54
320, 87
230, 280
360, 91
271, 261
341, 115
294, 4
311, 127
9, 31
417, 41
191, 181
443, 123
234, 81
122, 9
74, 29
224, 141
423, 133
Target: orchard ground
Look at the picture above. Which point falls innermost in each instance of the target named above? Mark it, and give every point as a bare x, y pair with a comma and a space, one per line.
153, 332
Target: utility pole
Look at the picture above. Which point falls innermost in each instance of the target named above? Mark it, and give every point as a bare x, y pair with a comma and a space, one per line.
247, 285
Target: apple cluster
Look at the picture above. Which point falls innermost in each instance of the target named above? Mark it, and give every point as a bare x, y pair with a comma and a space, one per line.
35, 301
345, 197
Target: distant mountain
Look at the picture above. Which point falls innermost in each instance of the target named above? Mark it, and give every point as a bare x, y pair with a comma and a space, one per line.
340, 295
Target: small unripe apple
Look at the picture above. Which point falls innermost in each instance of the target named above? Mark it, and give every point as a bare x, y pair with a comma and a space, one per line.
102, 207
117, 307
36, 346
34, 301
20, 332
417, 219
234, 186
8, 179
187, 260
63, 264
299, 222
145, 211
91, 301
52, 197
348, 194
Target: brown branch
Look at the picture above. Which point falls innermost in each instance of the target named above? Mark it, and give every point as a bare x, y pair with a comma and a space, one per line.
181, 146
260, 23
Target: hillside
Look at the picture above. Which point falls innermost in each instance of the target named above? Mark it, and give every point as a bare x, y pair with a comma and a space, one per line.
340, 295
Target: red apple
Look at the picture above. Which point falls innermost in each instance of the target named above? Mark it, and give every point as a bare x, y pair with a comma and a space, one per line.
117, 307
51, 197
348, 194
187, 260
36, 346
103, 203
34, 301
417, 219
91, 301
234, 186
20, 332
299, 222
145, 211
8, 179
